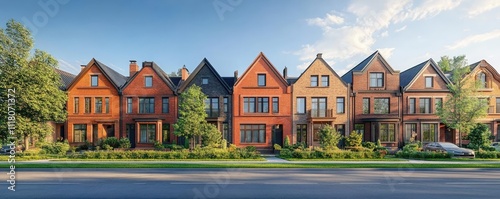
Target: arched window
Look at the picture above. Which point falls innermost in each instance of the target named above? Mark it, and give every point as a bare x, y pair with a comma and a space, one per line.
482, 79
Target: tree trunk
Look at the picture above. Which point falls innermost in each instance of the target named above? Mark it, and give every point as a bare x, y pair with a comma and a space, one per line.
26, 143
459, 138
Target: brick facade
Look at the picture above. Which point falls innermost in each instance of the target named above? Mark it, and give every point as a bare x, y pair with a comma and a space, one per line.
261, 128
91, 125
161, 90
310, 86
420, 121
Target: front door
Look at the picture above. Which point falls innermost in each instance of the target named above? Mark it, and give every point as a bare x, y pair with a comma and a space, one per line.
131, 134
278, 134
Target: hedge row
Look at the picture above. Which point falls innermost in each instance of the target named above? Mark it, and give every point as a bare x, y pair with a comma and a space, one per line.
180, 154
488, 154
331, 154
423, 155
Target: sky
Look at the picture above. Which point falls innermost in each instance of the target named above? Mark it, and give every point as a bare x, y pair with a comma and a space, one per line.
231, 33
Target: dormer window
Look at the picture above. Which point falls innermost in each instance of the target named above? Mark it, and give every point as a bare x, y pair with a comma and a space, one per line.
377, 80
482, 80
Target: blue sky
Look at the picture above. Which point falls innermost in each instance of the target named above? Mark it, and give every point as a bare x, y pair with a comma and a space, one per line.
231, 33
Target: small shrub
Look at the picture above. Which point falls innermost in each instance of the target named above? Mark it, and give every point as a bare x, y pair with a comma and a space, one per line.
277, 147
354, 139
368, 145
286, 144
111, 141
251, 148
107, 147
158, 146
57, 148
125, 143
329, 137
224, 144
286, 153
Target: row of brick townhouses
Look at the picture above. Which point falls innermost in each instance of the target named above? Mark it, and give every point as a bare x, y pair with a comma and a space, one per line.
263, 106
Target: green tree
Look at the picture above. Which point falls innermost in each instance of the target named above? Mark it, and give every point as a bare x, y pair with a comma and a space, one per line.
329, 137
461, 108
38, 97
211, 136
191, 122
479, 137
447, 64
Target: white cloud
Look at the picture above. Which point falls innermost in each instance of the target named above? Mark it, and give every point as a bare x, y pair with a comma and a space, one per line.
479, 7
327, 21
342, 40
386, 52
384, 34
400, 29
65, 66
427, 9
474, 39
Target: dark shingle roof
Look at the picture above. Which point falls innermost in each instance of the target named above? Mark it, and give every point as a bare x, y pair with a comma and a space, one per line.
116, 78
164, 77
291, 80
347, 77
474, 65
408, 75
176, 80
206, 63
66, 77
229, 81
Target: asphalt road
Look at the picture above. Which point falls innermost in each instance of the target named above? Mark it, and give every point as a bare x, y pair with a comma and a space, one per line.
254, 183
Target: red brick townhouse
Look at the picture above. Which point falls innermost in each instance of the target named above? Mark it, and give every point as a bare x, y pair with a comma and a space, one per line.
375, 99
262, 106
94, 104
149, 105
218, 105
424, 86
489, 91
320, 97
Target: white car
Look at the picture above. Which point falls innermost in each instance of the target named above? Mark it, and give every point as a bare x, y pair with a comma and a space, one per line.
496, 145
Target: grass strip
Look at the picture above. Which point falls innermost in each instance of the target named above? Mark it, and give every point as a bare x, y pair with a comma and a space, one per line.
247, 165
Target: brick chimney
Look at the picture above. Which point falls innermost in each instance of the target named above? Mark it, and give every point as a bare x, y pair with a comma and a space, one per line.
285, 73
319, 55
134, 68
184, 73
235, 75
82, 67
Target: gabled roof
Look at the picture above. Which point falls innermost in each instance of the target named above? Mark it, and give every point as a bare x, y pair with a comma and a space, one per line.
347, 77
163, 76
319, 58
176, 80
66, 78
204, 63
488, 67
229, 81
117, 79
273, 69
291, 80
409, 76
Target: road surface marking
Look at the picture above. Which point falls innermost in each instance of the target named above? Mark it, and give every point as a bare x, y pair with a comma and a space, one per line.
473, 183
290, 183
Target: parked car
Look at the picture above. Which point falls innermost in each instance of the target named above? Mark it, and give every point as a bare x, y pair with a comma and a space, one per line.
496, 145
450, 148
5, 149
